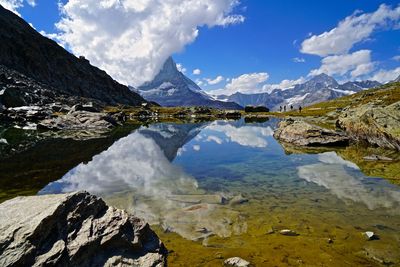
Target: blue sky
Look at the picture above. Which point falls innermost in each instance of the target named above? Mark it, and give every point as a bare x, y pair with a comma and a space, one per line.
267, 42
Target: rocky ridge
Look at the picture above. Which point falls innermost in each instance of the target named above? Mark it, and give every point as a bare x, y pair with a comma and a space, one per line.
320, 88
76, 229
24, 50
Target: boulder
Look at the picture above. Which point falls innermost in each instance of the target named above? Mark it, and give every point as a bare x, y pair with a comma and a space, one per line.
76, 229
301, 133
376, 125
79, 120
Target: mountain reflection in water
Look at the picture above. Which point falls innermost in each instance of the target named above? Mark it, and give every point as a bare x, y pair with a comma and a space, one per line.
178, 176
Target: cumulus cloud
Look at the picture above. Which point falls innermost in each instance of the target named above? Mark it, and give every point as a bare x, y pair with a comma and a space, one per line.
252, 83
246, 83
283, 85
14, 5
196, 72
216, 80
131, 39
384, 76
357, 64
353, 29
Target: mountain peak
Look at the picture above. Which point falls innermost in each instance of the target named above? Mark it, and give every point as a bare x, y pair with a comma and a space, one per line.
324, 80
169, 66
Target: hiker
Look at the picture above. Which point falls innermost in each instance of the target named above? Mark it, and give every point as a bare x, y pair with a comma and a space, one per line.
300, 109
280, 108
291, 107
284, 108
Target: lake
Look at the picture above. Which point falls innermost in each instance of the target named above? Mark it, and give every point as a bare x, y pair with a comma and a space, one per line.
213, 190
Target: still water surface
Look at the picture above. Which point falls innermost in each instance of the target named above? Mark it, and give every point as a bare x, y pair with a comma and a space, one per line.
221, 189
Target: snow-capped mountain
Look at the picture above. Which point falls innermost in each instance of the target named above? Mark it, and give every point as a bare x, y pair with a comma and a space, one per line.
172, 88
397, 79
320, 88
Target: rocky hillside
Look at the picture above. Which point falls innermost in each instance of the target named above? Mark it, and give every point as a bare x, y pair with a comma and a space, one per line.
24, 50
171, 88
320, 88
371, 116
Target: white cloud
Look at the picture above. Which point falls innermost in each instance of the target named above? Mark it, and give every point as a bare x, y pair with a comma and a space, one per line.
298, 60
131, 39
246, 83
14, 5
216, 80
252, 83
353, 29
283, 85
181, 68
196, 147
358, 64
196, 72
396, 58
384, 76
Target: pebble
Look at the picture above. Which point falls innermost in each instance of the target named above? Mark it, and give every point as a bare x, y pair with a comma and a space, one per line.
236, 262
370, 235
288, 232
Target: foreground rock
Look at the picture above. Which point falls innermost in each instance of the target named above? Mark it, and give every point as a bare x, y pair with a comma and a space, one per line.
376, 125
300, 133
79, 120
76, 229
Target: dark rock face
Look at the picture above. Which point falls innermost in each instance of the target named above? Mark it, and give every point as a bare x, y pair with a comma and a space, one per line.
172, 88
76, 229
26, 51
300, 133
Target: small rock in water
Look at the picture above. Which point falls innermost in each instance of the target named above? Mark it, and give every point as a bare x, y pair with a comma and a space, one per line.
236, 262
370, 235
288, 232
237, 200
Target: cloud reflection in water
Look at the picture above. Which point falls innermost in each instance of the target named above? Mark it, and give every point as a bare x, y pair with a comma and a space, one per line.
331, 173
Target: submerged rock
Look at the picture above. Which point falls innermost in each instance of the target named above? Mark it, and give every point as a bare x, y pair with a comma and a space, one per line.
288, 232
369, 235
236, 262
301, 133
76, 229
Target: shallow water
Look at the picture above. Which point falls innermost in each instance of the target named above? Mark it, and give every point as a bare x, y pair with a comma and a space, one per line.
222, 189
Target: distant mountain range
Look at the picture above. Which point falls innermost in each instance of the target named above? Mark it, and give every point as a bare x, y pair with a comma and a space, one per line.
320, 88
26, 53
172, 88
